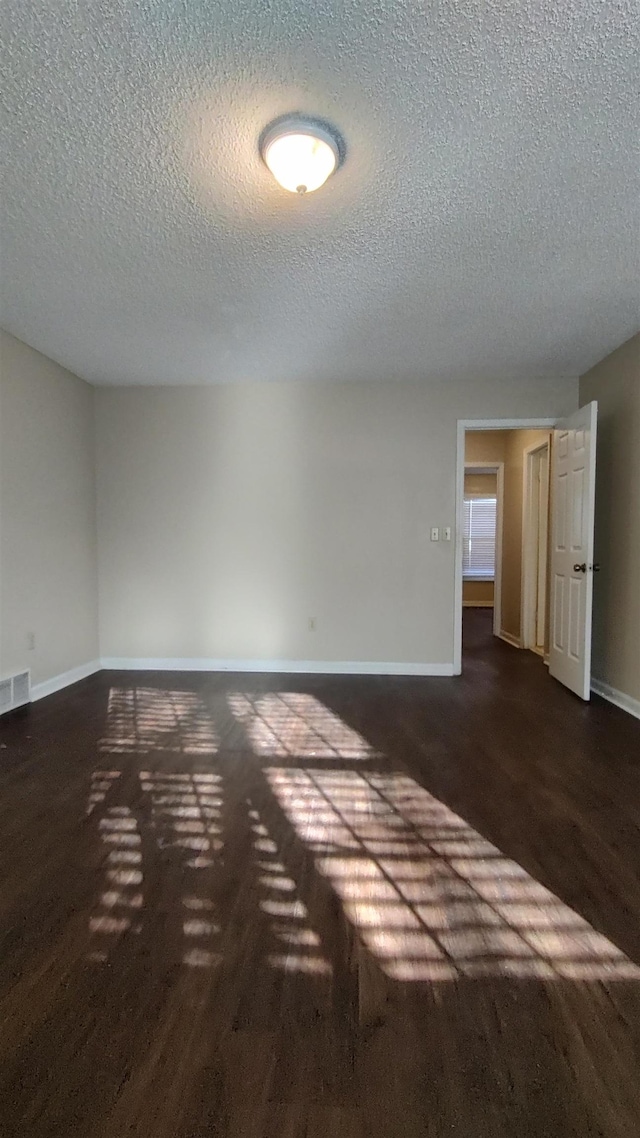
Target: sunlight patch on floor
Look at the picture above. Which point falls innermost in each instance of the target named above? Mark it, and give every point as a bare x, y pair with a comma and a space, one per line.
289, 922
280, 724
143, 720
431, 898
186, 813
177, 812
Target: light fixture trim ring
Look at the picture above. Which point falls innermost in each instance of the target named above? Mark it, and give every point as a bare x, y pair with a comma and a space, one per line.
294, 123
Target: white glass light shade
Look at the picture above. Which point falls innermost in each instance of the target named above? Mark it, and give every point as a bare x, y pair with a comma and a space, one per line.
300, 158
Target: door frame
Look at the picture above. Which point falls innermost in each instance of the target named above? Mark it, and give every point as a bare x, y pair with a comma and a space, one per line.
531, 529
498, 469
464, 425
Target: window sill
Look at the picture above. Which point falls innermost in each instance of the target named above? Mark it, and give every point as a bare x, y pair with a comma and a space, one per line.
482, 580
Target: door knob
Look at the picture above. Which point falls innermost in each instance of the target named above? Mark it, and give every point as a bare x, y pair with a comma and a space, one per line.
595, 568
580, 568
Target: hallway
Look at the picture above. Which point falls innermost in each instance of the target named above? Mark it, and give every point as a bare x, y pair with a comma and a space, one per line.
291, 907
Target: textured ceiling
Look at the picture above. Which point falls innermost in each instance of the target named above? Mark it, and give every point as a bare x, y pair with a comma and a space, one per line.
485, 221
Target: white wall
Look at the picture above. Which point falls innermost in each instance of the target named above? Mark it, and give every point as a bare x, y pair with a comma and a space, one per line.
229, 515
615, 383
48, 554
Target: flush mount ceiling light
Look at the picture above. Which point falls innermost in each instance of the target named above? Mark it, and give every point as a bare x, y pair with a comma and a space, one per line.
301, 153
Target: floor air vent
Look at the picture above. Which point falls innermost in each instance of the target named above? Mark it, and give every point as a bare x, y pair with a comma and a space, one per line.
15, 691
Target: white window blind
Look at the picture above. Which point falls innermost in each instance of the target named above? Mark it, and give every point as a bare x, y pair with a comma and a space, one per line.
479, 537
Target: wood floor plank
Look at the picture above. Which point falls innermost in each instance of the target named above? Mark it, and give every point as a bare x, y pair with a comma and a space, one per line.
261, 906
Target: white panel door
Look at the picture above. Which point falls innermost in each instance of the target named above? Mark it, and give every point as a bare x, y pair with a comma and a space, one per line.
572, 518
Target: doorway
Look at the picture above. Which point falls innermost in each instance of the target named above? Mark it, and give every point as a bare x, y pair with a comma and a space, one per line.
502, 468
555, 565
482, 538
535, 549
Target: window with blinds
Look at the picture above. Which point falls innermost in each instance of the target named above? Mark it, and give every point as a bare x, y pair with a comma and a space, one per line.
479, 538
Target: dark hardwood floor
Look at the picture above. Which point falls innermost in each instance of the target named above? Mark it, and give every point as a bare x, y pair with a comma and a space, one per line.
321, 907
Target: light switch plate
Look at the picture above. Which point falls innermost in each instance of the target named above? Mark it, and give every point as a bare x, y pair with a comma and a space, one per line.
435, 533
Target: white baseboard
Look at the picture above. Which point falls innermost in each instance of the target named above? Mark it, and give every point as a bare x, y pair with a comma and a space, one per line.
509, 639
477, 604
56, 683
322, 667
626, 702
316, 667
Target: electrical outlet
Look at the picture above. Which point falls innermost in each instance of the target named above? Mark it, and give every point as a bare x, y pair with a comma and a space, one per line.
435, 533
446, 533
31, 641
312, 624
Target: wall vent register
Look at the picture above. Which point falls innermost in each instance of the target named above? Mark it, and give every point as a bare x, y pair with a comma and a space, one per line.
15, 691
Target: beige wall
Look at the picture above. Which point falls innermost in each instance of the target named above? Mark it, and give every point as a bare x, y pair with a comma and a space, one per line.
480, 484
230, 515
615, 383
484, 446
48, 559
479, 592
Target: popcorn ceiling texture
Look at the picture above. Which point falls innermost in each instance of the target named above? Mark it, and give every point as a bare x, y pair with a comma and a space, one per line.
485, 222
